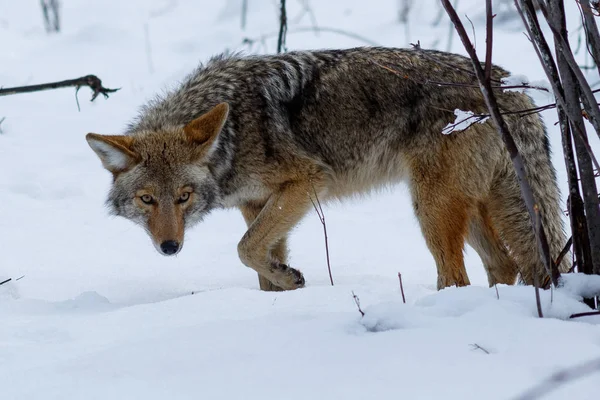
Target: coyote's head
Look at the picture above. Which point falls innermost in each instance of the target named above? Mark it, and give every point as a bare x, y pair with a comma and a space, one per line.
161, 180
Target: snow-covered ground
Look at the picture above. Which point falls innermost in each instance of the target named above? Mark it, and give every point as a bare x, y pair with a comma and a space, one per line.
99, 314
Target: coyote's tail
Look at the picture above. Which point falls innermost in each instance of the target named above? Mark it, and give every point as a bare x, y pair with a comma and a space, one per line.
531, 138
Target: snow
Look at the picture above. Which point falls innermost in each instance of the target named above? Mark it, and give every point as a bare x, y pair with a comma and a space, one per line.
515, 80
99, 314
580, 285
464, 119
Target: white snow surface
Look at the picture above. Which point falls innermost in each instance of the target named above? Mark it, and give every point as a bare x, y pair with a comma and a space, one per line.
99, 314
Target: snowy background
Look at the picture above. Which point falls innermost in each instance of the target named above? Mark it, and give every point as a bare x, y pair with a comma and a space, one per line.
99, 314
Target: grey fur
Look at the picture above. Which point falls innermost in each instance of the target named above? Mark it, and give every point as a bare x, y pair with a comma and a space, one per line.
362, 127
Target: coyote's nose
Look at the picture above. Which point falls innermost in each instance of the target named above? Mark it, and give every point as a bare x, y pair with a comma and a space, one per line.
169, 247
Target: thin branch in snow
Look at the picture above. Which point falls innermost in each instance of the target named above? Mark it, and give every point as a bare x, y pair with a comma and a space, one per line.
401, 287
357, 302
585, 314
478, 347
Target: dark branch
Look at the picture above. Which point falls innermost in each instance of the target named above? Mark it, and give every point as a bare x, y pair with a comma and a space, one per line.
282, 28
91, 81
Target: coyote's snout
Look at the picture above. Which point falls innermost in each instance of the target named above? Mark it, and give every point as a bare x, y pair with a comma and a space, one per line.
162, 184
266, 134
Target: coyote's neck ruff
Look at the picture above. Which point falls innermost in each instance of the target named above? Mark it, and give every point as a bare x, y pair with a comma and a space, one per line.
266, 134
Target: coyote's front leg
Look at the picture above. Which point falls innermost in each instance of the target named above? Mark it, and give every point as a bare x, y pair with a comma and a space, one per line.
278, 252
283, 210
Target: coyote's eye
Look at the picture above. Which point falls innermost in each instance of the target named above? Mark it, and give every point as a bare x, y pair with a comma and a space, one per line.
185, 196
147, 199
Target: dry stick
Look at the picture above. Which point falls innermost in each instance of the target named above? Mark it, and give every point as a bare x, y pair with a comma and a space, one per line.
585, 314
564, 251
321, 215
559, 378
528, 14
517, 160
91, 81
587, 96
489, 32
282, 28
478, 347
591, 31
572, 91
543, 52
357, 302
6, 281
401, 287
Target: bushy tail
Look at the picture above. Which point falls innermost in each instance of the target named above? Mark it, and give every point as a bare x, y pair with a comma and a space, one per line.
531, 138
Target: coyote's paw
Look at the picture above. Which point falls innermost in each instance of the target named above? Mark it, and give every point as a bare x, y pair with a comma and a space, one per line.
286, 277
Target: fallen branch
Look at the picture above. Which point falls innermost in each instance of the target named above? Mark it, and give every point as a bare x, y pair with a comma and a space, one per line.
91, 81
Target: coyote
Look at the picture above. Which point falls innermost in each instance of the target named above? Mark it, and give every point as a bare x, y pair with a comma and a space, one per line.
269, 133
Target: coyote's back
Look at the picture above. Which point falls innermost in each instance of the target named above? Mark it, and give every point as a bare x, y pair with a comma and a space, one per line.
266, 134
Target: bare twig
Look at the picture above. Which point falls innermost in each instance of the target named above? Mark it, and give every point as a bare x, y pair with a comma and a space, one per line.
282, 27
559, 378
321, 215
91, 81
1, 121
585, 314
5, 281
357, 302
564, 251
488, 39
478, 347
401, 287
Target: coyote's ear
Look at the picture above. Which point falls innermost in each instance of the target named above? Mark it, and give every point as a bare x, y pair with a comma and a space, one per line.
114, 151
205, 129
